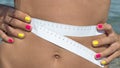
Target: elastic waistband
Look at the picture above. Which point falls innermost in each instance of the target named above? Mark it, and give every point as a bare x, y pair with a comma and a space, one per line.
67, 30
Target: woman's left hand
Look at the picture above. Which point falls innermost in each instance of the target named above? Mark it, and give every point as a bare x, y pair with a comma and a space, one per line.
112, 39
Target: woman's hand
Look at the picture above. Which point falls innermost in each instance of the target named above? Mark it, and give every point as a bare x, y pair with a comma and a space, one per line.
112, 39
11, 20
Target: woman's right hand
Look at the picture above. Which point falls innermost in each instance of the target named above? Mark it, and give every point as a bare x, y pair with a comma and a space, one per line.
12, 21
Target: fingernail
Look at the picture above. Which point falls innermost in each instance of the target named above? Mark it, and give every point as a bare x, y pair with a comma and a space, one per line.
103, 62
10, 40
21, 35
27, 19
28, 27
95, 43
100, 26
98, 56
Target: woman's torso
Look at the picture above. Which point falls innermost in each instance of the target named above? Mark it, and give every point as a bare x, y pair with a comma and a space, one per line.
34, 52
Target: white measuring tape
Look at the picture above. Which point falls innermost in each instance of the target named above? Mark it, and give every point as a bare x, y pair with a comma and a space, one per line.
55, 33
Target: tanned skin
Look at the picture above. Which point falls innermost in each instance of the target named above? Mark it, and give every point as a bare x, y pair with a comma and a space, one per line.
35, 52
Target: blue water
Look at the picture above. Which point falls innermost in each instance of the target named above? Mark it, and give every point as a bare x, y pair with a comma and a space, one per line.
7, 2
114, 14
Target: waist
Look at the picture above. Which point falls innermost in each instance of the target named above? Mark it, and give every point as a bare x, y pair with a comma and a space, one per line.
81, 34
65, 29
66, 12
40, 48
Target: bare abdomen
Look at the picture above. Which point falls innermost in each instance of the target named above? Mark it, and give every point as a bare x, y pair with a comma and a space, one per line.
34, 52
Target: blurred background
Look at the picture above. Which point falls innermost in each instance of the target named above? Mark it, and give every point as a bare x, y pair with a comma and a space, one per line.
113, 19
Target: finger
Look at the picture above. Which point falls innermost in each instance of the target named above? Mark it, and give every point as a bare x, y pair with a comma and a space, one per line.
114, 47
5, 37
17, 23
14, 32
20, 15
104, 41
110, 58
2, 27
107, 27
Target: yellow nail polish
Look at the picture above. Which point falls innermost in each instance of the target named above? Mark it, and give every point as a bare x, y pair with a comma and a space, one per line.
27, 19
95, 43
21, 35
103, 62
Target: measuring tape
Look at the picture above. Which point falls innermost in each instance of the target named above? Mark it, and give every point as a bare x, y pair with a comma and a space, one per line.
55, 33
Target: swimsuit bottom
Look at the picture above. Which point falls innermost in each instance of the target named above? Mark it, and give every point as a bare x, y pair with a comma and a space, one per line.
56, 33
